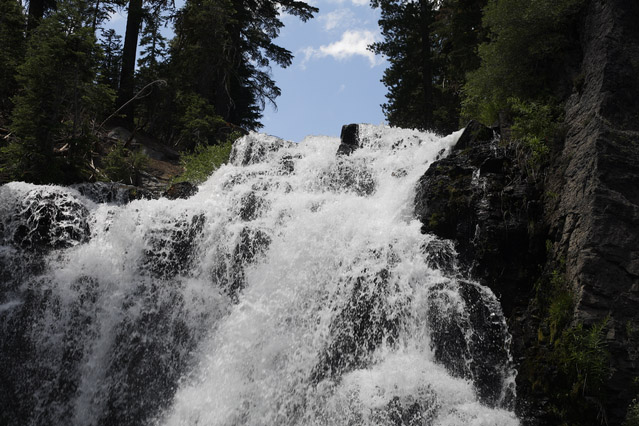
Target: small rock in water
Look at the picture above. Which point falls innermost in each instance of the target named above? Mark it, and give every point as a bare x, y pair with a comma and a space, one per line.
349, 138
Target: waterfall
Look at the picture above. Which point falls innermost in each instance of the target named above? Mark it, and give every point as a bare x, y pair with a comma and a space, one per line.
294, 288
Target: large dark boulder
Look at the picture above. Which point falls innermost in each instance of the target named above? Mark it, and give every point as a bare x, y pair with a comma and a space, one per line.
45, 218
180, 190
349, 139
254, 148
481, 198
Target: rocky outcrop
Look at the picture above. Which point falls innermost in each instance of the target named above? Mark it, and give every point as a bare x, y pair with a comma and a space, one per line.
180, 190
349, 139
41, 219
481, 198
252, 150
580, 225
595, 216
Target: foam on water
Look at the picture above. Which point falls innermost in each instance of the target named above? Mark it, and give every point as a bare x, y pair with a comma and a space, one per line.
292, 289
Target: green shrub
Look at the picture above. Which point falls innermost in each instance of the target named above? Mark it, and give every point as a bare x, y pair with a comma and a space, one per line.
583, 357
632, 416
199, 123
535, 124
560, 310
123, 165
200, 164
527, 44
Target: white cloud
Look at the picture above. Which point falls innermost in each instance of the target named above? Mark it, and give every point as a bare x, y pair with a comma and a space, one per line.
352, 43
115, 16
355, 2
337, 18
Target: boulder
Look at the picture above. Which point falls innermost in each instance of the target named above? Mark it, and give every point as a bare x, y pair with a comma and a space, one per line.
180, 190
482, 199
349, 139
48, 218
254, 148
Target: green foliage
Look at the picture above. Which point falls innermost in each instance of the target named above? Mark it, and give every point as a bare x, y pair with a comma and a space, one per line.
584, 359
198, 122
59, 101
111, 60
561, 306
535, 124
525, 56
430, 46
12, 41
632, 416
199, 165
223, 50
124, 165
570, 363
154, 49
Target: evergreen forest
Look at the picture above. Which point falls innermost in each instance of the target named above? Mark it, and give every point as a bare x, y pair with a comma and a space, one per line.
65, 79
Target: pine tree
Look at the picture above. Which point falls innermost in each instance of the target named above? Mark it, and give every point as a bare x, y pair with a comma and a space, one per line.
152, 67
12, 41
58, 100
530, 44
101, 10
126, 89
430, 46
37, 10
406, 28
110, 64
224, 48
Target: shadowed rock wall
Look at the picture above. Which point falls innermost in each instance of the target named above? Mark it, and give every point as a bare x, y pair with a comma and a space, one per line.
595, 217
587, 208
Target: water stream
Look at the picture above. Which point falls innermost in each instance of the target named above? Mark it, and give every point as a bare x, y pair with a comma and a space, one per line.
294, 288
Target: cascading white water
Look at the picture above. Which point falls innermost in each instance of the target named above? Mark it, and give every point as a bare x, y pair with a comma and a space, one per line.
294, 288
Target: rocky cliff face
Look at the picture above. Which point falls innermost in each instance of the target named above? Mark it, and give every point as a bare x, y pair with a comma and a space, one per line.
595, 219
580, 225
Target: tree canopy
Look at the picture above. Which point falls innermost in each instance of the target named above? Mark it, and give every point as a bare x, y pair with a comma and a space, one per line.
212, 77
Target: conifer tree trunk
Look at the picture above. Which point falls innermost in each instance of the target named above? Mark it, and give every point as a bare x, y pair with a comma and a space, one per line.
127, 83
36, 12
427, 70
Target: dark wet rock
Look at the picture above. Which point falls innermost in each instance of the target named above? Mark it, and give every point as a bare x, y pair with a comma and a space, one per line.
587, 210
409, 410
171, 248
180, 190
36, 369
230, 275
349, 139
473, 133
469, 337
253, 149
441, 255
113, 192
47, 219
361, 325
43, 363
287, 164
480, 198
152, 350
252, 243
349, 176
251, 206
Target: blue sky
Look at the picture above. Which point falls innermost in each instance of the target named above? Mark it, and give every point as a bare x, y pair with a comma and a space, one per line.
333, 80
